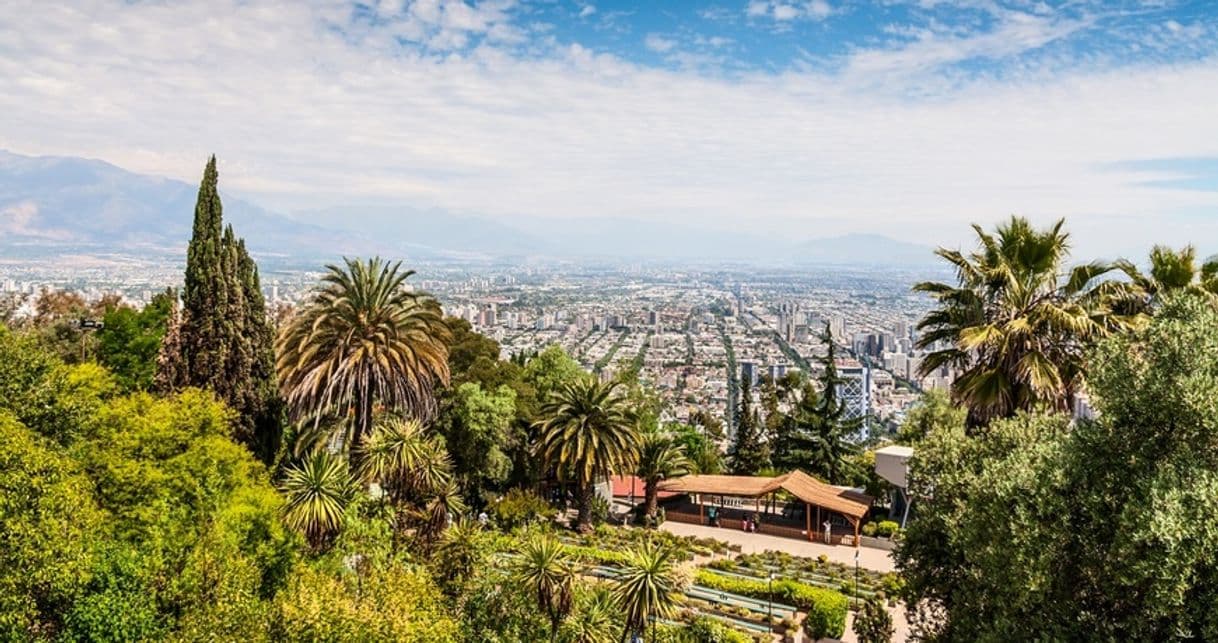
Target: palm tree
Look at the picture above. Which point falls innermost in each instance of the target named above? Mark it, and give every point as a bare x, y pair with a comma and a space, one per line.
318, 491
648, 587
1017, 322
660, 458
1170, 271
595, 617
364, 340
587, 434
549, 576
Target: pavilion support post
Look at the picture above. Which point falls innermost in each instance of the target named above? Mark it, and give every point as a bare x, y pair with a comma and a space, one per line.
818, 516
808, 520
856, 533
701, 510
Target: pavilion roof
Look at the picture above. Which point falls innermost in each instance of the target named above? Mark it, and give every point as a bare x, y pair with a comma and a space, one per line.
797, 483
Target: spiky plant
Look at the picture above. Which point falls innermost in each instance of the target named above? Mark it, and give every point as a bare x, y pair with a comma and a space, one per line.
364, 340
648, 587
1171, 271
595, 618
318, 491
544, 570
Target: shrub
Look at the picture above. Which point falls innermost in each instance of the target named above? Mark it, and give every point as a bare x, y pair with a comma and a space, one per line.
519, 508
873, 623
887, 529
826, 608
869, 529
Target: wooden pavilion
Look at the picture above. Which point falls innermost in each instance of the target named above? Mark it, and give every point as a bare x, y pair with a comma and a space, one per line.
849, 504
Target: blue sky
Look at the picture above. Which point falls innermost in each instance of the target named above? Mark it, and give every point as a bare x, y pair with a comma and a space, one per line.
911, 118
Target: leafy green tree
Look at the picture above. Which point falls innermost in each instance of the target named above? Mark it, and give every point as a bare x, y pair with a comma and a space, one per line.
749, 453
130, 341
50, 527
42, 393
873, 623
224, 338
548, 575
1105, 527
933, 410
363, 340
587, 433
703, 454
648, 587
660, 458
478, 431
1017, 323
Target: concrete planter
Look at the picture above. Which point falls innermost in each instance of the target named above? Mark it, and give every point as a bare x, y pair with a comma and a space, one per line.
887, 544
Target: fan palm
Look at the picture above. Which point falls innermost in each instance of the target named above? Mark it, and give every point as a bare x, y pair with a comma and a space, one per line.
648, 586
587, 433
545, 571
318, 491
1017, 323
363, 340
660, 457
1170, 271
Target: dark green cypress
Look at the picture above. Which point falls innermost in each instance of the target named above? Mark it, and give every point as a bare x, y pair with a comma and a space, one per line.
225, 340
749, 453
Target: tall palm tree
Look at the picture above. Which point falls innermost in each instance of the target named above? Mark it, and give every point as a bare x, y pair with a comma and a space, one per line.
587, 433
364, 340
1017, 322
546, 572
660, 458
648, 587
1170, 271
318, 491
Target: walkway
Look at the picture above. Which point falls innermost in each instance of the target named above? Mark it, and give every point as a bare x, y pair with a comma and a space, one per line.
751, 543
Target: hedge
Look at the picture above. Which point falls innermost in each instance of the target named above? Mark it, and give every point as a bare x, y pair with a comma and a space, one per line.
826, 608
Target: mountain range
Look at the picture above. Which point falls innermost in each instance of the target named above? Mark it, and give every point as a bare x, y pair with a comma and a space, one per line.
65, 205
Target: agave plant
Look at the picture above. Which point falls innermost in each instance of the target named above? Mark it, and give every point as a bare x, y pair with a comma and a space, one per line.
318, 491
648, 587
544, 570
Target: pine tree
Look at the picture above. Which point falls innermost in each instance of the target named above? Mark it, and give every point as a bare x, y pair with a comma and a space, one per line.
814, 437
749, 453
222, 341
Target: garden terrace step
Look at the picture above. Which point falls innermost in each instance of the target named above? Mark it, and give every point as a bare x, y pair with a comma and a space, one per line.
736, 600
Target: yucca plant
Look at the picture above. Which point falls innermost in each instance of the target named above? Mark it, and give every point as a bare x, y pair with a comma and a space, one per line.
595, 618
415, 473
318, 491
544, 570
648, 587
363, 341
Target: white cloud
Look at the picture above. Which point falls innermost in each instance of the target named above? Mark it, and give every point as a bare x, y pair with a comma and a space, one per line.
303, 116
658, 43
784, 11
587, 10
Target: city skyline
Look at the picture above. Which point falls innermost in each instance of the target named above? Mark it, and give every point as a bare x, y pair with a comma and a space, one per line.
802, 119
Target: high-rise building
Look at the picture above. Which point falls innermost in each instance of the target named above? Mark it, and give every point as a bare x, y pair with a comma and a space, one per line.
855, 389
748, 371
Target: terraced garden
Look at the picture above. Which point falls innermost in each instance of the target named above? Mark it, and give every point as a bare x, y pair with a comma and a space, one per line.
816, 572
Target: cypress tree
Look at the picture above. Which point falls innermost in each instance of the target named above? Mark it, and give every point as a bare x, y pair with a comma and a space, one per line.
223, 341
749, 453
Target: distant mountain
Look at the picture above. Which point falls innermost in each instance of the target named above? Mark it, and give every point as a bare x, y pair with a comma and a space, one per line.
52, 205
859, 249
58, 206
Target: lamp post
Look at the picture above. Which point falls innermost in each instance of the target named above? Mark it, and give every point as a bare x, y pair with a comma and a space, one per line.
856, 576
770, 604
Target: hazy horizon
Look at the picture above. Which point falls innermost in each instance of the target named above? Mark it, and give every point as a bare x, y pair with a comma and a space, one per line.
785, 120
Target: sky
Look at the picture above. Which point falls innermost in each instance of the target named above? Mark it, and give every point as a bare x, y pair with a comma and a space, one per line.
783, 118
